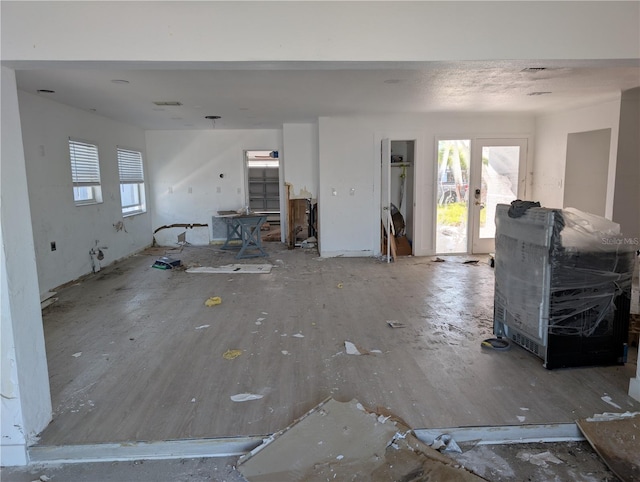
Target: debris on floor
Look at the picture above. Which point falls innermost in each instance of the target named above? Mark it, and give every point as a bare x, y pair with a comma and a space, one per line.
471, 261
542, 459
340, 285
341, 441
437, 260
607, 399
395, 324
166, 262
499, 344
352, 349
245, 397
233, 269
213, 301
309, 242
616, 438
47, 299
231, 354
201, 327
445, 443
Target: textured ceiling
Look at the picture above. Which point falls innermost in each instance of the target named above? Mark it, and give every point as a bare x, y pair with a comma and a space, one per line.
266, 96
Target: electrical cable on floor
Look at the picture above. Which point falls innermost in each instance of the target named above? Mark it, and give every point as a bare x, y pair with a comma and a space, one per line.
498, 344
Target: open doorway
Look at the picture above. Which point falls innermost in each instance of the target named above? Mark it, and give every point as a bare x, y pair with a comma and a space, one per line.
262, 176
397, 197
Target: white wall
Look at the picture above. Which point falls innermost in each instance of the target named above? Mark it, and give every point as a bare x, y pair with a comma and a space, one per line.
341, 31
300, 143
24, 385
349, 225
551, 149
185, 169
626, 203
46, 128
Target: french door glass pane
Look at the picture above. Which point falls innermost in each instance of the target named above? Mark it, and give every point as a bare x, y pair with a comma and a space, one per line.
452, 196
499, 184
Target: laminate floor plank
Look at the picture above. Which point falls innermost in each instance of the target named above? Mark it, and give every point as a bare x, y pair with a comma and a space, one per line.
135, 355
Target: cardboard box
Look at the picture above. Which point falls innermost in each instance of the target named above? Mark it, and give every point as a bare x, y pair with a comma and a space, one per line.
403, 247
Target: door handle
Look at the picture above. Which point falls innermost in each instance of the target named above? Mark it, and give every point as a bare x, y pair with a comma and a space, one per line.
480, 204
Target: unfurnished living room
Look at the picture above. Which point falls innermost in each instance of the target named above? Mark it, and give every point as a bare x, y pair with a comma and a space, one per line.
320, 240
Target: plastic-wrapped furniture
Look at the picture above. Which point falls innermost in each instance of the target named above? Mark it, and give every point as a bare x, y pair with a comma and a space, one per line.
563, 286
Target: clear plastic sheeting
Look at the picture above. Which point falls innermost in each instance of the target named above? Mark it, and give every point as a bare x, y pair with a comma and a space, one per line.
560, 272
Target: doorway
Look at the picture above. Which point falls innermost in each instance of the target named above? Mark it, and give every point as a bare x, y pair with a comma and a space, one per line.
472, 179
586, 171
263, 184
397, 196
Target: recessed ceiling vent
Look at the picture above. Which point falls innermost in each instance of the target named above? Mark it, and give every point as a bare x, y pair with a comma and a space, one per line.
168, 103
534, 69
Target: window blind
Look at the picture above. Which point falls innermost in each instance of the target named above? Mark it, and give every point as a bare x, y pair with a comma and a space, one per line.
85, 165
130, 166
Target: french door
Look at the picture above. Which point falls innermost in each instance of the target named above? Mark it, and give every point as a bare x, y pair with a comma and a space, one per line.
498, 176
473, 177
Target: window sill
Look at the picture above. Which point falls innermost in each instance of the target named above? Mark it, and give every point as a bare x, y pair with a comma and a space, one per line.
86, 203
133, 213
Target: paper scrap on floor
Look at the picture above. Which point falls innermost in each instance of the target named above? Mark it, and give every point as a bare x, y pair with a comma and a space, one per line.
233, 268
340, 441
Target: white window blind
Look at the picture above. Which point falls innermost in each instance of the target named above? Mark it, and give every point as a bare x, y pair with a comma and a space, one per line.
85, 165
130, 166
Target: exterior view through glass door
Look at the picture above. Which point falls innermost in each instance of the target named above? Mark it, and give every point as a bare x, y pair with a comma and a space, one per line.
452, 196
499, 174
471, 181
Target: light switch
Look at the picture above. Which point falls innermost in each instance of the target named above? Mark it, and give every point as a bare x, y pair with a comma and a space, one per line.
334, 192
352, 191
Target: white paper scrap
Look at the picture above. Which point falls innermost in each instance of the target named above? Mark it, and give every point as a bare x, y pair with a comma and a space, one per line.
607, 399
244, 397
76, 355
298, 335
351, 348
202, 326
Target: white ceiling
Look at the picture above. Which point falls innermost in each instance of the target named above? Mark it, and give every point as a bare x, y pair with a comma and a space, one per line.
260, 95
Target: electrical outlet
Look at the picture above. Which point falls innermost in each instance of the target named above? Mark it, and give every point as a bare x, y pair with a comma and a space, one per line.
53, 245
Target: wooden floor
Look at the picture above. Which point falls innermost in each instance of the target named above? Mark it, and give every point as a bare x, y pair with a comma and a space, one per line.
135, 355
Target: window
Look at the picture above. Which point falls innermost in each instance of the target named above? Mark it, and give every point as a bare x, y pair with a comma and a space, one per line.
131, 182
85, 172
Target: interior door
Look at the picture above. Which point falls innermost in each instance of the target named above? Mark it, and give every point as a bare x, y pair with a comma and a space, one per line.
498, 177
385, 191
